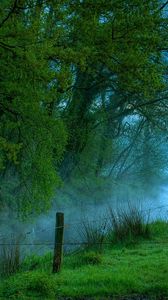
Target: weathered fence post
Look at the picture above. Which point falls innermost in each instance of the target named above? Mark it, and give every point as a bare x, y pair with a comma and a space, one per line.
58, 245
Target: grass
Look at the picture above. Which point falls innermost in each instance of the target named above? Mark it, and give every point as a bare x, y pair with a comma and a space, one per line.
10, 257
93, 234
128, 224
135, 269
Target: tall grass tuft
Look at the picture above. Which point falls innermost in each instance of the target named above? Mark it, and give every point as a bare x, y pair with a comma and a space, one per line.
128, 224
10, 257
93, 234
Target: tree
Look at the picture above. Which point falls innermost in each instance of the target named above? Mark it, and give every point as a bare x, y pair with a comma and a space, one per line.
125, 57
31, 139
71, 72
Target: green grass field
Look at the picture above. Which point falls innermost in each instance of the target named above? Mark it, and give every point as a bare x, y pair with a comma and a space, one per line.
121, 271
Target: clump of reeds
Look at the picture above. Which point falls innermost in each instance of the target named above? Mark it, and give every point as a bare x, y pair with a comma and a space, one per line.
128, 224
9, 256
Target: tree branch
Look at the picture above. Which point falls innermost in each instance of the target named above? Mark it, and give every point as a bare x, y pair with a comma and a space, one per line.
9, 14
163, 6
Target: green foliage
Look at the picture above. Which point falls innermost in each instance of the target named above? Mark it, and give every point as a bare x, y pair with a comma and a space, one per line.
10, 149
32, 141
57, 59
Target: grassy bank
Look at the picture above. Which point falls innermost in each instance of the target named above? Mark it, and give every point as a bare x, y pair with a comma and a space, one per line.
121, 270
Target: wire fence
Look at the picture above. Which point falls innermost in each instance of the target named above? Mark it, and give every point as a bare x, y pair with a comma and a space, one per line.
68, 225
79, 222
77, 243
65, 226
16, 255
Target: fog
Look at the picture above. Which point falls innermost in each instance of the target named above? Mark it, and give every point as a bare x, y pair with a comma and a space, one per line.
37, 236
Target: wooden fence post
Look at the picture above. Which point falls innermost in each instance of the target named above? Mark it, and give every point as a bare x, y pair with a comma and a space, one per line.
58, 244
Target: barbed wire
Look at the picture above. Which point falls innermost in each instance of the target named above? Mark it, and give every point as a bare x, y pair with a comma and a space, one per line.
95, 220
80, 243
77, 223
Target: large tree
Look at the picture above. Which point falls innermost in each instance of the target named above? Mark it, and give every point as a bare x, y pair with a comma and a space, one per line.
72, 69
